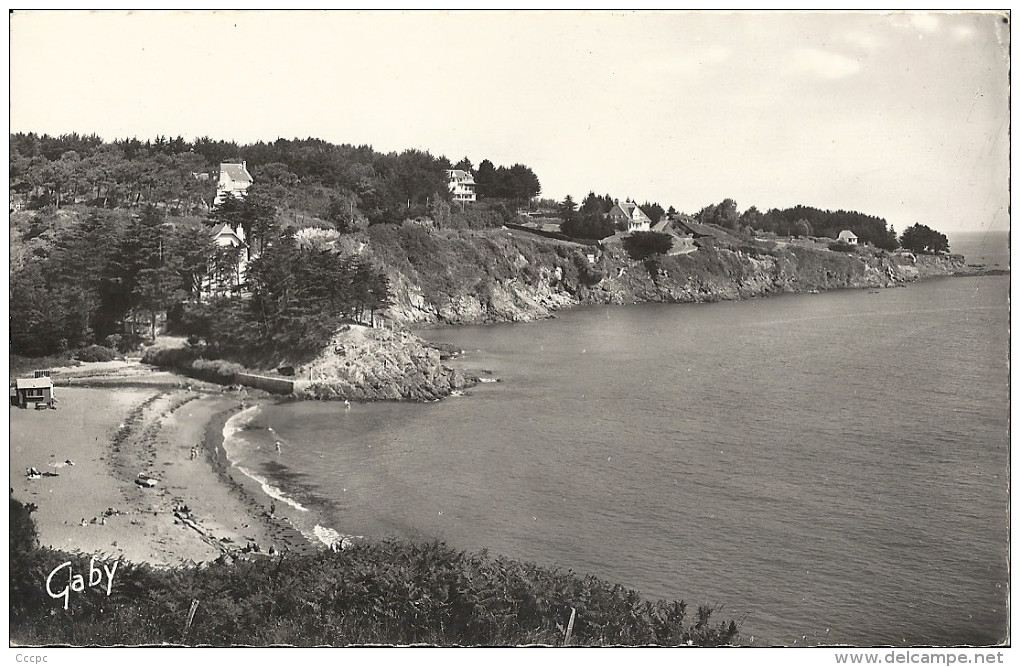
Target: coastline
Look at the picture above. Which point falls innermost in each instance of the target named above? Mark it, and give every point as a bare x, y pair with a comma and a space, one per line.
116, 421
90, 452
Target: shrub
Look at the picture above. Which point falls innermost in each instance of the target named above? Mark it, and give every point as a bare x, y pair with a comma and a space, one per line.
124, 342
178, 358
188, 361
841, 246
23, 541
96, 353
215, 370
373, 592
642, 245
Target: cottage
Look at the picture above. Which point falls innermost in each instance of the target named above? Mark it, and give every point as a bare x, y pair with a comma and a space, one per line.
462, 185
37, 390
630, 214
234, 181
847, 236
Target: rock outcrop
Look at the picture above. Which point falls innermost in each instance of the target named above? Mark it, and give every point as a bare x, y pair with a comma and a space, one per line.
362, 363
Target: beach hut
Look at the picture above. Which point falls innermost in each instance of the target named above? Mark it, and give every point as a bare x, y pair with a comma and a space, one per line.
38, 390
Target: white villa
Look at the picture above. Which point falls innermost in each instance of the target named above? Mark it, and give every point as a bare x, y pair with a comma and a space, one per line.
462, 185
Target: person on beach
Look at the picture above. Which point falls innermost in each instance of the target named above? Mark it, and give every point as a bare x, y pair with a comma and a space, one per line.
278, 449
347, 404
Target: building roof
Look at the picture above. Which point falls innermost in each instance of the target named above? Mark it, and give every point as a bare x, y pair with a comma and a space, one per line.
227, 230
629, 209
847, 234
34, 383
460, 175
235, 171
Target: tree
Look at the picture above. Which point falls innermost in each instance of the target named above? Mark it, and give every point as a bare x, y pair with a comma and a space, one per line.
568, 210
252, 213
590, 221
723, 214
464, 165
802, 228
752, 218
924, 240
653, 211
485, 179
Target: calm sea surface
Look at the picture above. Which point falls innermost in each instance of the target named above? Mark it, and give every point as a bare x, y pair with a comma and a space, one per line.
827, 468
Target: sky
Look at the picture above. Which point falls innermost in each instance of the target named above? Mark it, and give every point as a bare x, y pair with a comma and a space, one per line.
900, 115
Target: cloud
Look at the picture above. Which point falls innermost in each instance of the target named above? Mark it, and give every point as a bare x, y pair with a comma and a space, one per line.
860, 39
925, 22
823, 64
689, 63
962, 33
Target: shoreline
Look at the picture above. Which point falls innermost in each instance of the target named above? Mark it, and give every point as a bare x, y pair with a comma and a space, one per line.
92, 451
138, 417
248, 488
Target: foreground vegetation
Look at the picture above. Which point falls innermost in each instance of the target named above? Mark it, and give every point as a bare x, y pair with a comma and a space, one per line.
388, 592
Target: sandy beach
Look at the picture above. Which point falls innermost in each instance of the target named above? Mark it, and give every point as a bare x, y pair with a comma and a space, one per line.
104, 434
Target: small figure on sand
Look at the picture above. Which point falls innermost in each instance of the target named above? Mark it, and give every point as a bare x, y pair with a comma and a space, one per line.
272, 508
347, 404
194, 453
278, 449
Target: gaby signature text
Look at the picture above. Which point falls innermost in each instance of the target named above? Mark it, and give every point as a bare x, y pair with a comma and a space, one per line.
57, 588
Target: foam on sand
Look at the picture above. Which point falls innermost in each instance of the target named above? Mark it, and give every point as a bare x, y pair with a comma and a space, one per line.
272, 491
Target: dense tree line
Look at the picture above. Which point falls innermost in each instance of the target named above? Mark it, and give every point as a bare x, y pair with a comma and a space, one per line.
516, 183
77, 278
343, 184
801, 221
869, 228
74, 283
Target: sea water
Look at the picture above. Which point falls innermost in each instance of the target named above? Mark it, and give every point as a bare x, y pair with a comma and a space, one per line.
825, 468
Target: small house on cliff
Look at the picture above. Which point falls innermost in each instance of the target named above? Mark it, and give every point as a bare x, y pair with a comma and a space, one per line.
847, 236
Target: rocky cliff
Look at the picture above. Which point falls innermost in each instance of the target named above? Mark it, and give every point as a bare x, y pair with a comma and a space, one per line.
504, 275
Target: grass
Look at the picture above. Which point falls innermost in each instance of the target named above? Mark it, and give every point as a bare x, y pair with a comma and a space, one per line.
23, 366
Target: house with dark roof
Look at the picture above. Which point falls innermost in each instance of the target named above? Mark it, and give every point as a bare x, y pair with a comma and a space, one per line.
630, 214
234, 180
